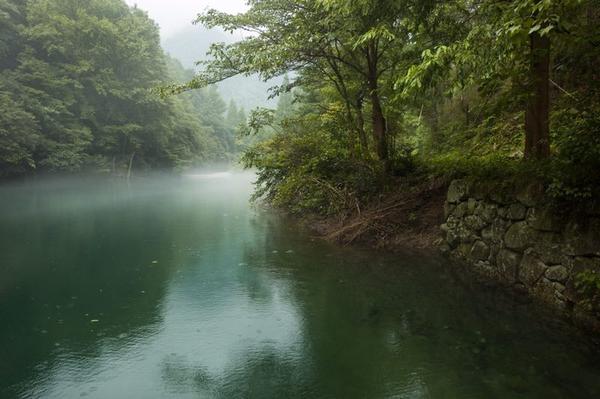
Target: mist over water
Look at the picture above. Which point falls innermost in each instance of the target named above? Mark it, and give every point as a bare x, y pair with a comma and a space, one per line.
175, 286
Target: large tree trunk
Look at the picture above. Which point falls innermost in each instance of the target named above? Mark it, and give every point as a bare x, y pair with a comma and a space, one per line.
379, 127
537, 131
378, 119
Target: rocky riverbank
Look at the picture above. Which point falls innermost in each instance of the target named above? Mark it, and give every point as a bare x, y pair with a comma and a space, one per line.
516, 236
506, 234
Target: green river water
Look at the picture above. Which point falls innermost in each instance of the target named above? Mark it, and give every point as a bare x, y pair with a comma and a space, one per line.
176, 287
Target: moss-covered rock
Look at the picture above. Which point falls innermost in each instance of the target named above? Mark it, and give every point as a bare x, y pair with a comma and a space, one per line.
458, 191
471, 205
502, 211
519, 236
557, 273
516, 211
507, 263
495, 232
550, 292
549, 248
480, 251
460, 210
487, 212
532, 269
474, 222
463, 250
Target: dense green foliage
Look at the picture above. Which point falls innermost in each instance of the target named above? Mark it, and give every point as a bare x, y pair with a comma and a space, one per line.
386, 88
76, 81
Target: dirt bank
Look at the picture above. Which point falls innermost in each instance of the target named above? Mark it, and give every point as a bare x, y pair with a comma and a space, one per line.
407, 215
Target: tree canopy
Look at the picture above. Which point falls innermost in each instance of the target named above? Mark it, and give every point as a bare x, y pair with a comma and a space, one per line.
386, 87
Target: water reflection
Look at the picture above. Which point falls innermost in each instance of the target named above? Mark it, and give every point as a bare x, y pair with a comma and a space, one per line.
177, 288
74, 277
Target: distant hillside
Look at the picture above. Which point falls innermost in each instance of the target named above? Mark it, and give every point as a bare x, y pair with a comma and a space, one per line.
192, 44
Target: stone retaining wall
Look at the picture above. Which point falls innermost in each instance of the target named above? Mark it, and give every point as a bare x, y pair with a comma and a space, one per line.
515, 237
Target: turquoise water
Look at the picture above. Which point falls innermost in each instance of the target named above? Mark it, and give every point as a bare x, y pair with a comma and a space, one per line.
175, 287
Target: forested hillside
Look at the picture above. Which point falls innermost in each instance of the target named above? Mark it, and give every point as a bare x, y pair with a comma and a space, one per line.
392, 89
76, 92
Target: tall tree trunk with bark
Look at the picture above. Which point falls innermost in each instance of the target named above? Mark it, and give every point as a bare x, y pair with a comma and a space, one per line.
378, 119
537, 131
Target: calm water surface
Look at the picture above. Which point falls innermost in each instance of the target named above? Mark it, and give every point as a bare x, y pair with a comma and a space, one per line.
177, 288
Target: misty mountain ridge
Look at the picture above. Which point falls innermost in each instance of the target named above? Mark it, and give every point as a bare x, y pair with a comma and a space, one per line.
191, 45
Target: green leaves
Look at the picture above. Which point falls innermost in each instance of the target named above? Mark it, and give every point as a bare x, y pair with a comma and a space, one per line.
19, 133
258, 119
379, 32
434, 65
536, 16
